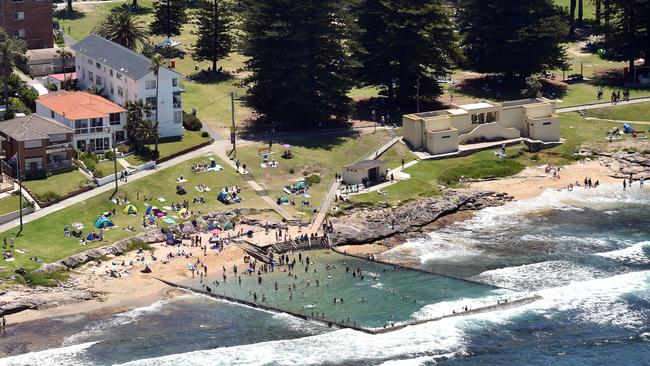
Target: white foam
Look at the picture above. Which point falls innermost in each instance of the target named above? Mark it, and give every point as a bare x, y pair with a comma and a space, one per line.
69, 356
538, 276
120, 319
635, 254
445, 308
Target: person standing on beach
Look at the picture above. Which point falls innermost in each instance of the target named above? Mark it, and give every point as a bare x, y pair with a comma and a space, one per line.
624, 184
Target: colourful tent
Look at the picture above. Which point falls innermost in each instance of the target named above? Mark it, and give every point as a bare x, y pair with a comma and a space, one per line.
130, 210
103, 222
300, 185
223, 197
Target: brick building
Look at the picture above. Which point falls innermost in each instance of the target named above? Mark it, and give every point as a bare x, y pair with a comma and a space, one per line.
30, 20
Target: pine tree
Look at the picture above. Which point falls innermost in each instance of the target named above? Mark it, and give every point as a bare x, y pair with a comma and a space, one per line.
213, 20
403, 44
628, 37
169, 17
512, 37
299, 60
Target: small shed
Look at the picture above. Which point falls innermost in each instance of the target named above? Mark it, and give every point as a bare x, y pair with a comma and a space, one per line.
371, 170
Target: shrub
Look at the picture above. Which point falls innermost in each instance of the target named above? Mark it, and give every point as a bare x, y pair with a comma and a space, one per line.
191, 122
51, 87
205, 134
138, 244
110, 155
534, 157
48, 196
47, 279
312, 179
492, 168
97, 173
291, 171
36, 174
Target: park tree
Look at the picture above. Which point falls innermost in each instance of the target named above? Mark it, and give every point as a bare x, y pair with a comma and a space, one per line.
12, 52
299, 63
512, 37
122, 27
214, 23
404, 46
155, 64
169, 17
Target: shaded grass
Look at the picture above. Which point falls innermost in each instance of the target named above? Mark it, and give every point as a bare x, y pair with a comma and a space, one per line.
190, 138
630, 112
10, 204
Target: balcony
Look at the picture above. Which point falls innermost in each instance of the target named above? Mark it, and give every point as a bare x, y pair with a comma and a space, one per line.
60, 166
88, 130
54, 148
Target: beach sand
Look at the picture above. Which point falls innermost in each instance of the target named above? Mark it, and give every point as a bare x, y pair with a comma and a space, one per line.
532, 181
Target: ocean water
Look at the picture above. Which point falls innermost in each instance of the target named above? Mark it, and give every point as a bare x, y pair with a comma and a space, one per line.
586, 253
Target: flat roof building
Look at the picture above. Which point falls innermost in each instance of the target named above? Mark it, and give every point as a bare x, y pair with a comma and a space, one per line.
442, 131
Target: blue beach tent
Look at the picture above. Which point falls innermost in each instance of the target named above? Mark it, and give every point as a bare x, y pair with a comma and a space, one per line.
103, 222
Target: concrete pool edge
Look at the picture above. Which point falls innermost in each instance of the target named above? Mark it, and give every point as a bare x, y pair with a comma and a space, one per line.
524, 300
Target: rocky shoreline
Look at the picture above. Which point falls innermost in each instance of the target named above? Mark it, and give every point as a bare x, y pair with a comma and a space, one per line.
365, 226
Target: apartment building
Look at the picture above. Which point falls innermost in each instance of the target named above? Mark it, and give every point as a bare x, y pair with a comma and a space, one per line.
30, 20
123, 75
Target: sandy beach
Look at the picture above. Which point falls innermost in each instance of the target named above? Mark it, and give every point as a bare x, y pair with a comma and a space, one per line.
532, 181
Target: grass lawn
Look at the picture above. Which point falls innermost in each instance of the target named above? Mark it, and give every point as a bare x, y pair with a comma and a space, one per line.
107, 167
10, 204
60, 184
630, 112
588, 8
323, 156
190, 138
44, 236
395, 154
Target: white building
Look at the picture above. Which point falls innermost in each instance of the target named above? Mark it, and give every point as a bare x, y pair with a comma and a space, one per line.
93, 119
123, 75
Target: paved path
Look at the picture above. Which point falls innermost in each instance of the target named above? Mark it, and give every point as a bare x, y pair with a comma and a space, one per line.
601, 105
105, 188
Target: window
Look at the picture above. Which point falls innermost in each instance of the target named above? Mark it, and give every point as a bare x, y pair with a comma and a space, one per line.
114, 118
33, 164
81, 145
118, 76
178, 116
445, 137
120, 91
478, 118
150, 84
120, 136
492, 117
31, 144
58, 138
52, 114
16, 1
153, 102
19, 15
176, 98
546, 123
97, 65
98, 80
91, 77
20, 33
110, 72
174, 82
90, 62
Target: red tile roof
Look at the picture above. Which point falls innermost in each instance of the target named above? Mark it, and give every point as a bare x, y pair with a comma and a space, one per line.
78, 104
62, 77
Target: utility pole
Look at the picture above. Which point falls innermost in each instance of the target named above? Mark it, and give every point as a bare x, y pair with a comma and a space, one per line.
417, 95
232, 128
20, 190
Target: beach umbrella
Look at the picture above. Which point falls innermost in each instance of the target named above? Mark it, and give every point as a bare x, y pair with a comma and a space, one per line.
215, 231
147, 262
286, 146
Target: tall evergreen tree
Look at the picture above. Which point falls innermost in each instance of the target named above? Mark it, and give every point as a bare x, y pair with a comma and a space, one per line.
299, 60
629, 31
512, 37
403, 44
213, 19
169, 17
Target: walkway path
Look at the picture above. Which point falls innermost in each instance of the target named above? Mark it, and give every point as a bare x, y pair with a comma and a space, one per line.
601, 105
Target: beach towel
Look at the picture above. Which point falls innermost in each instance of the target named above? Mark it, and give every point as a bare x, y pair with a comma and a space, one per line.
162, 199
215, 168
169, 221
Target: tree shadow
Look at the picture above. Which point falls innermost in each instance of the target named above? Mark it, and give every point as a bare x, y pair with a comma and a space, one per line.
208, 77
139, 10
491, 87
63, 14
609, 77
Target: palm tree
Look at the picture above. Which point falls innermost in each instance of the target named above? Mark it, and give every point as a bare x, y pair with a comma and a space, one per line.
136, 113
122, 27
70, 6
155, 64
64, 54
